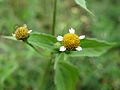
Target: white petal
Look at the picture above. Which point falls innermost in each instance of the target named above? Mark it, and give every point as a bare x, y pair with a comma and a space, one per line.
71, 30
62, 48
79, 48
29, 31
82, 37
25, 26
59, 38
13, 35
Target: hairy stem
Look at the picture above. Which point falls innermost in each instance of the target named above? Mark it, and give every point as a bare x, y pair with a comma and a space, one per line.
54, 17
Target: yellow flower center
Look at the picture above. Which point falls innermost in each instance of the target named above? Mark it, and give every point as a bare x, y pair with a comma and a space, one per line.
71, 41
21, 33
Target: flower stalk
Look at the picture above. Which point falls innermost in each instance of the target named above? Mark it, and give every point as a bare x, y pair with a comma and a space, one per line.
54, 17
26, 41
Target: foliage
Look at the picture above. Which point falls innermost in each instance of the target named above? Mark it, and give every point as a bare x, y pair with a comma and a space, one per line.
22, 68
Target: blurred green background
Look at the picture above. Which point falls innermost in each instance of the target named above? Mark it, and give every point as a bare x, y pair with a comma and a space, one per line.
21, 67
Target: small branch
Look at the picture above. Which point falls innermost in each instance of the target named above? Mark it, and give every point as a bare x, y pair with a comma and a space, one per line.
54, 17
31, 46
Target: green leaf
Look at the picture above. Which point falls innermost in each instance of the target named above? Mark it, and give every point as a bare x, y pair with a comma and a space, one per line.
60, 57
42, 40
90, 52
82, 3
66, 76
39, 39
9, 37
94, 43
92, 48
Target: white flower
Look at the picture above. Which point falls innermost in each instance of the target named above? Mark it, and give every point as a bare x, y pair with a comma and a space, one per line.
79, 48
62, 48
29, 31
13, 35
68, 39
82, 37
71, 30
59, 38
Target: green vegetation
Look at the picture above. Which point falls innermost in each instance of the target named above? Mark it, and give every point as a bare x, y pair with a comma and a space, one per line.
22, 68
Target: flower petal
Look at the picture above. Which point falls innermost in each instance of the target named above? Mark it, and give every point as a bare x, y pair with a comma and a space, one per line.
79, 48
82, 37
59, 38
71, 30
62, 48
25, 26
29, 31
13, 35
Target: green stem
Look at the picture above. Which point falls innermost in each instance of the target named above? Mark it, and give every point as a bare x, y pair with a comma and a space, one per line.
31, 45
44, 77
47, 69
54, 17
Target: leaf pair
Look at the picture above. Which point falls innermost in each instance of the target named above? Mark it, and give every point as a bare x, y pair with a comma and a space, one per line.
91, 47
